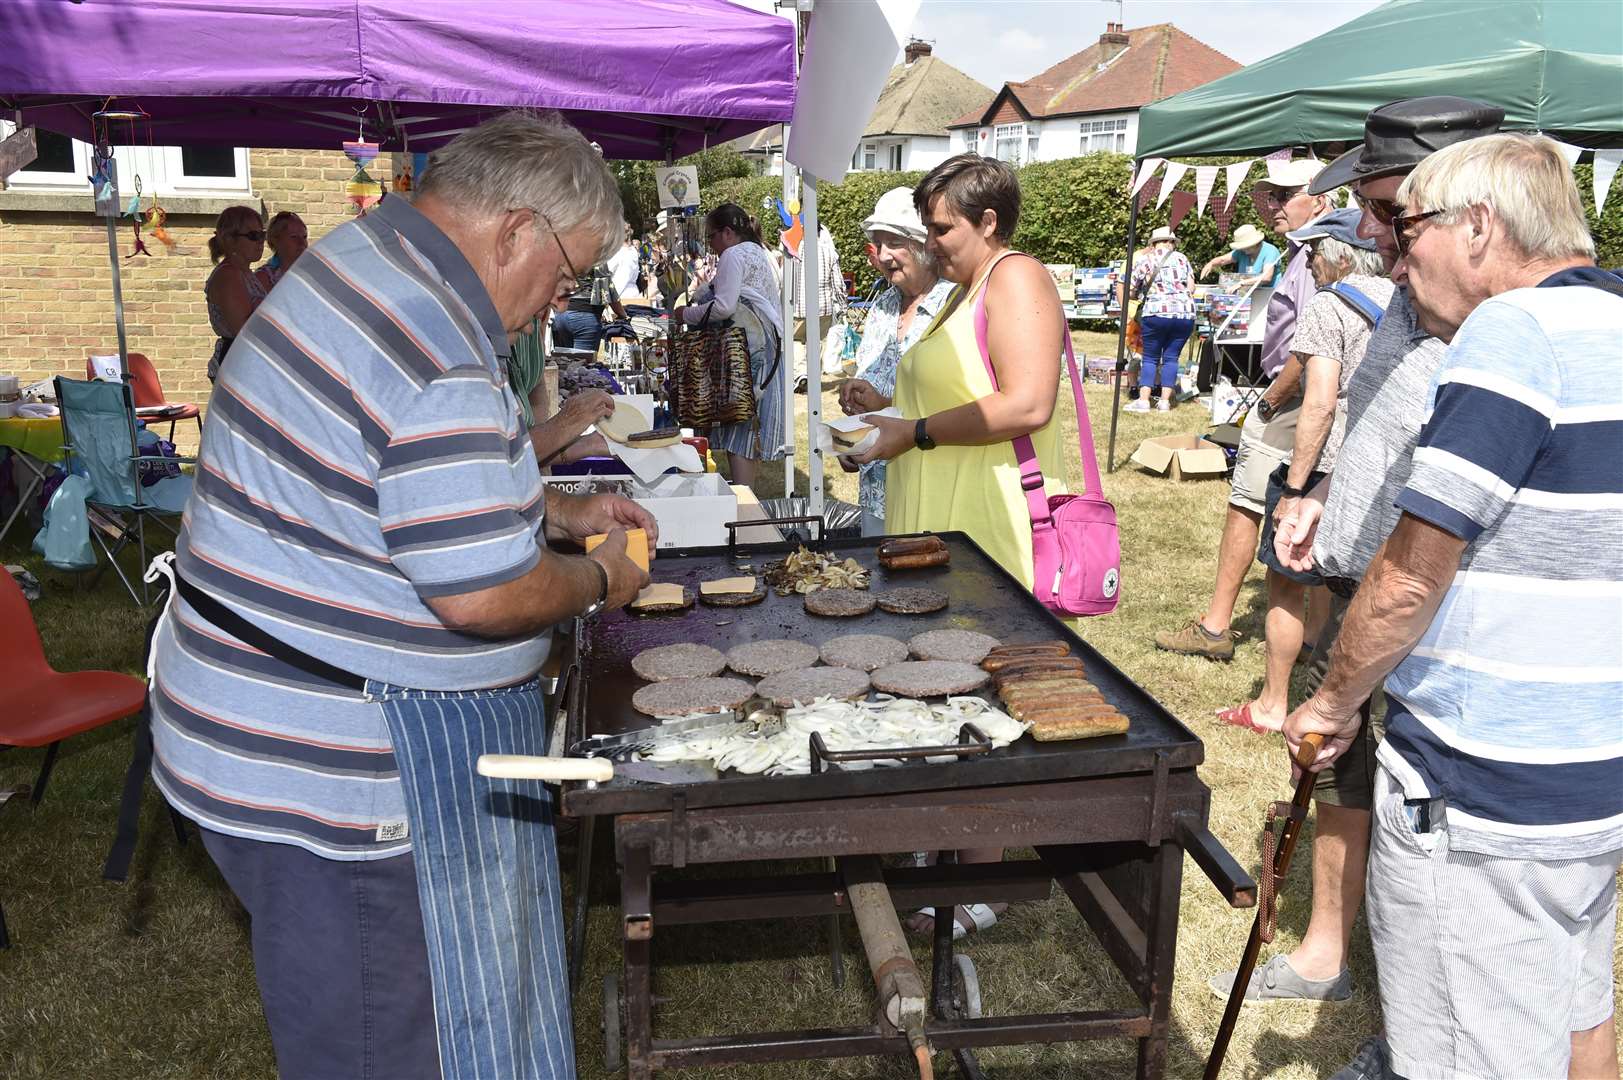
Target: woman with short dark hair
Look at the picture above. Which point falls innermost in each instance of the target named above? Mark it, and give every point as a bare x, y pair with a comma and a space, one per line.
745, 289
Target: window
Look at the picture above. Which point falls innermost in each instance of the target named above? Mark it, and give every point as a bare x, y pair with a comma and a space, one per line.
1009, 143
870, 156
896, 158
64, 163
1108, 135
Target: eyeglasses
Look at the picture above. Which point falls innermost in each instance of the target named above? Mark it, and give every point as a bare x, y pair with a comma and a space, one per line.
1402, 223
1382, 210
256, 235
1276, 198
574, 275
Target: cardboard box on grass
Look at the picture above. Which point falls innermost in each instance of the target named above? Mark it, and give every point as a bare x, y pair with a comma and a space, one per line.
1181, 457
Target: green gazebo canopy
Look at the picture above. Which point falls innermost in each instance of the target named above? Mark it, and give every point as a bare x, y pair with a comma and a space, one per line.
1555, 66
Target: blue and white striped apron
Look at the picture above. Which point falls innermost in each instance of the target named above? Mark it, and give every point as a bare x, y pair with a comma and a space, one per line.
487, 879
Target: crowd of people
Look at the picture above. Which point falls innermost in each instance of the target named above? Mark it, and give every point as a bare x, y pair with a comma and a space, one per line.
370, 578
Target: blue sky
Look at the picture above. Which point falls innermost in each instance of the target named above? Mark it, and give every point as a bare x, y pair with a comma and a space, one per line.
998, 41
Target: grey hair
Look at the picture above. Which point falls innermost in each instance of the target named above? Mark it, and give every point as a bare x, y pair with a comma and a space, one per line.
1349, 260
534, 160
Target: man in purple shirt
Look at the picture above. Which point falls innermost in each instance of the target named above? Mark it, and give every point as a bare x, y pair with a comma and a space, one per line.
1270, 429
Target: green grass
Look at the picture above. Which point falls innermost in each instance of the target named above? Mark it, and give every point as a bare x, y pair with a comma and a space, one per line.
154, 978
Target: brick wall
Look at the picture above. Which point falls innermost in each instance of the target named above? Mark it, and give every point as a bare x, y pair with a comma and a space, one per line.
56, 293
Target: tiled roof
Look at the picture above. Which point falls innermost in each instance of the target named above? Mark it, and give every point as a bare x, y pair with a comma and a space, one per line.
1159, 61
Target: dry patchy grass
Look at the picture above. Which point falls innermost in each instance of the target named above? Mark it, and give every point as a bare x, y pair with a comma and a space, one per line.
154, 978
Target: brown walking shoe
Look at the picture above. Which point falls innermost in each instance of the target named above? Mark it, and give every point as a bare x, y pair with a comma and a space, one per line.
1193, 639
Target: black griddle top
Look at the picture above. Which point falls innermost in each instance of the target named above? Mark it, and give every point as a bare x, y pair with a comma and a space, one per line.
982, 596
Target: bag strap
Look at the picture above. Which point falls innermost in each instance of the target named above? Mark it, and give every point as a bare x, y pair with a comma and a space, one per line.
1142, 291
1031, 473
1359, 301
249, 634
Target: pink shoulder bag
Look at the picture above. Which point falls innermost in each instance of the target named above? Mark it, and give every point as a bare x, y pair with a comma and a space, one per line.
1075, 548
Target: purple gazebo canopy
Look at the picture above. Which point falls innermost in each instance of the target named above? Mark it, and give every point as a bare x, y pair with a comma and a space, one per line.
643, 78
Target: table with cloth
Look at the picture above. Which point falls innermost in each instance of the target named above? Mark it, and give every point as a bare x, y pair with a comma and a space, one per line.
33, 449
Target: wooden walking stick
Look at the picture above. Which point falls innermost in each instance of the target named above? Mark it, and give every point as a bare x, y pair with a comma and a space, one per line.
1276, 858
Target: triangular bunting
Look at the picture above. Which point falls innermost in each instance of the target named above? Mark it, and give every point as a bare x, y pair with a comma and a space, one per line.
1182, 203
1174, 173
1149, 191
1223, 214
1569, 152
1145, 171
1234, 175
1205, 180
1606, 162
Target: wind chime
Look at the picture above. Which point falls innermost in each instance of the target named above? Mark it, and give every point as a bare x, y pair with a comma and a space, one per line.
155, 218
362, 190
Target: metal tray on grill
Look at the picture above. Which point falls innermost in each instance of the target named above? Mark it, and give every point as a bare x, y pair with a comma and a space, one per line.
983, 597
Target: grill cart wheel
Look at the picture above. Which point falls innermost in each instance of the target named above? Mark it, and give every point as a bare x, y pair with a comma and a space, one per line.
612, 1058
966, 987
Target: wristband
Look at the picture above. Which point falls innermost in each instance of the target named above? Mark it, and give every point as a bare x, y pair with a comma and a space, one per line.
602, 590
1292, 492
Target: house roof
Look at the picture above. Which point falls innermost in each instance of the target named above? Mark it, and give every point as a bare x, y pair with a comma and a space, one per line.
1157, 62
923, 97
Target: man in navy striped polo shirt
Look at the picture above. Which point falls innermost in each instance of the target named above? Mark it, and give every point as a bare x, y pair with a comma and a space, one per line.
366, 597
1497, 606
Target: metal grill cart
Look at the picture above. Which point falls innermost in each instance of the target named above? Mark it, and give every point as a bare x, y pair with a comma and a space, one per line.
1109, 819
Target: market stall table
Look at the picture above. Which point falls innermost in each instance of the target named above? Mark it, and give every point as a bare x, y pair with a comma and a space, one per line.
1109, 819
35, 443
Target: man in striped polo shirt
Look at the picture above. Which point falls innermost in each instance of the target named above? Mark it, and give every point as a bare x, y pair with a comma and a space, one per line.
1497, 607
366, 596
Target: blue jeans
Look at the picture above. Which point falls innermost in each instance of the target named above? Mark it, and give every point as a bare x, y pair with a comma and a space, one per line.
487, 880
1163, 341
576, 330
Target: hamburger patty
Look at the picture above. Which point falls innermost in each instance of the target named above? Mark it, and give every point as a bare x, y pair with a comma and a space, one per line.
964, 646
683, 660
911, 600
839, 603
928, 678
683, 697
770, 657
863, 652
806, 684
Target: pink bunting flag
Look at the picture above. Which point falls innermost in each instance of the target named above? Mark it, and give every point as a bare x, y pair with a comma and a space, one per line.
1149, 191
1234, 175
1182, 203
1223, 214
1205, 180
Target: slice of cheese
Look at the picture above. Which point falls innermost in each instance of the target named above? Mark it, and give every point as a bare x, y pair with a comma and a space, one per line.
726, 585
659, 594
636, 546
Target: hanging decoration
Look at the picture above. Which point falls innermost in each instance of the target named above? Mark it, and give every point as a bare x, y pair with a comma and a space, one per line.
1233, 176
1606, 163
1205, 180
1223, 214
1568, 151
1174, 174
1149, 191
1145, 171
134, 214
1182, 203
362, 190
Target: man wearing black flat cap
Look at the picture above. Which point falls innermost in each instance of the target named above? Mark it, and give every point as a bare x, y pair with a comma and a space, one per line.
1338, 528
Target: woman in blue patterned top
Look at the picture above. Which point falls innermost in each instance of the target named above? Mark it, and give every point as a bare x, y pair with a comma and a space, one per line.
897, 319
1165, 281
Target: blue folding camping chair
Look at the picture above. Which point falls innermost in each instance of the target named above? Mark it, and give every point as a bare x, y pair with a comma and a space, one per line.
98, 435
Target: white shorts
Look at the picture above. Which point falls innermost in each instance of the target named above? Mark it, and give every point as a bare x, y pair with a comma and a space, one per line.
1487, 966
1263, 448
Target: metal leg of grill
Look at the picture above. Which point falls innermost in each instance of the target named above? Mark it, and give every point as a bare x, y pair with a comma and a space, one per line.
637, 930
941, 965
1165, 873
836, 945
577, 919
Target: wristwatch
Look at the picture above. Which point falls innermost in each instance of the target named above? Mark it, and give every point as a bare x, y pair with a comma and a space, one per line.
921, 438
1292, 492
602, 590
1265, 409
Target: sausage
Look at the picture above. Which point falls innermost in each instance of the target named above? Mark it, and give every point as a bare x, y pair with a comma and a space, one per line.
1061, 711
1026, 666
1048, 688
913, 553
1034, 648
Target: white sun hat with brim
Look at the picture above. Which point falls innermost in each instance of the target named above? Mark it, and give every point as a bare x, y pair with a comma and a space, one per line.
1246, 237
895, 213
1163, 233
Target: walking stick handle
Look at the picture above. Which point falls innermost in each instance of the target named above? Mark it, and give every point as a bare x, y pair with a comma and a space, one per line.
1312, 743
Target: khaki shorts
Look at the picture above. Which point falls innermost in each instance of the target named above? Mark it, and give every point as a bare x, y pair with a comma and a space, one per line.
1263, 446
1350, 779
1487, 965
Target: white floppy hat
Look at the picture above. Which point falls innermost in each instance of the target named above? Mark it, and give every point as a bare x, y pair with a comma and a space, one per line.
894, 213
1246, 236
1163, 233
1292, 174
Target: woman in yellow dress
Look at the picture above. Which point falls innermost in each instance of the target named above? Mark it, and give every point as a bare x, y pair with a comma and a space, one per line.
952, 466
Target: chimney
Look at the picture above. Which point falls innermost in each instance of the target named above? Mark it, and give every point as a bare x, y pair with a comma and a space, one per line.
916, 49
1112, 42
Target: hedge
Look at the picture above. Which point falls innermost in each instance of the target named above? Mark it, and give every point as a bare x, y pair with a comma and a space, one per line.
1073, 211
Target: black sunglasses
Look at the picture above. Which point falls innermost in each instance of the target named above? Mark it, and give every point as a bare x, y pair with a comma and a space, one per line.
256, 235
1402, 223
1382, 210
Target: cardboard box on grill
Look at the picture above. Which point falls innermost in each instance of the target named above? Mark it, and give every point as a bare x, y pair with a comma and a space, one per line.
1181, 457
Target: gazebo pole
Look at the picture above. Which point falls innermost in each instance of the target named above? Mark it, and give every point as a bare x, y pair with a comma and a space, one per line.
1121, 324
814, 361
786, 334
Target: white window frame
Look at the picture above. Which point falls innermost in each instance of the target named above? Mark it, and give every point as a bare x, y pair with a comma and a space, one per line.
896, 157
160, 168
1108, 135
870, 157
1011, 133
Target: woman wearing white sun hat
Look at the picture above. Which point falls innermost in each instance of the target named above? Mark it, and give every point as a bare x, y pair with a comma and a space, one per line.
1166, 282
1251, 254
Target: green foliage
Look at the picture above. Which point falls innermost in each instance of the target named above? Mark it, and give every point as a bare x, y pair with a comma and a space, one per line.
640, 198
1608, 228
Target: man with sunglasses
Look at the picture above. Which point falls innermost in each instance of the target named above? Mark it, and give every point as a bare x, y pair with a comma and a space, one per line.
1270, 430
1496, 790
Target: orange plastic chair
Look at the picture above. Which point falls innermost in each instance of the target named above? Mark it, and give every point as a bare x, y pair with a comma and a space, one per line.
149, 393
